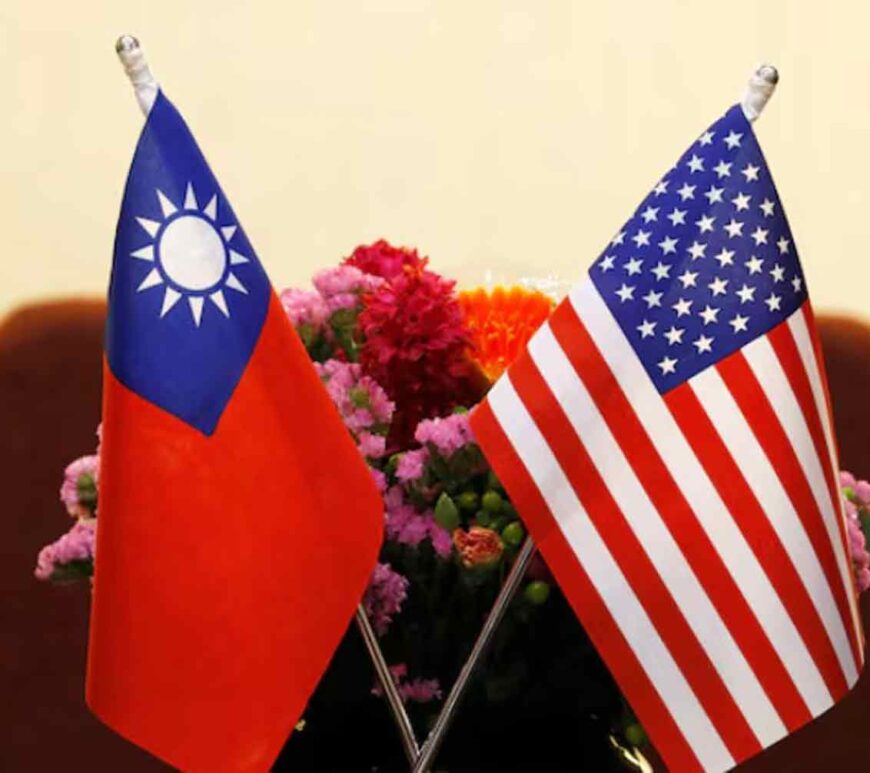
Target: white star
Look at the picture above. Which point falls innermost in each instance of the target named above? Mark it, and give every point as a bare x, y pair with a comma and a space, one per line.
773, 302
695, 164
674, 335
618, 239
688, 278
709, 314
778, 273
750, 172
661, 271
705, 223
714, 195
649, 214
738, 323
783, 245
677, 217
725, 257
696, 250
717, 286
746, 294
722, 169
706, 138
668, 245
661, 187
667, 365
625, 293
687, 191
606, 263
760, 235
741, 201
797, 283
734, 228
682, 307
632, 266
703, 344
646, 329
653, 298
732, 140
754, 265
641, 238
766, 207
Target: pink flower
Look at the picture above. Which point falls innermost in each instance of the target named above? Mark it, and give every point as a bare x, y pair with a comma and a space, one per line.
415, 690
76, 545
379, 478
363, 405
411, 465
79, 488
447, 434
860, 490
372, 446
442, 542
384, 597
345, 280
304, 307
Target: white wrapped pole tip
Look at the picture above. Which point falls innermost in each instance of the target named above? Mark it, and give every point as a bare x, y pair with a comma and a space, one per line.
759, 90
133, 58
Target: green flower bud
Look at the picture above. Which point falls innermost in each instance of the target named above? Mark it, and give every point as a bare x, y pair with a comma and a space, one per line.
491, 501
460, 409
393, 463
359, 397
493, 482
483, 518
446, 512
849, 493
537, 592
635, 734
468, 501
513, 533
508, 510
86, 490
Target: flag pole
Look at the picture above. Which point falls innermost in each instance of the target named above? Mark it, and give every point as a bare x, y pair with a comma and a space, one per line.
146, 88
496, 613
758, 92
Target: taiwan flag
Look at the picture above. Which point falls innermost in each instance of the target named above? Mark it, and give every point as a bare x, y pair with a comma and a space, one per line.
238, 523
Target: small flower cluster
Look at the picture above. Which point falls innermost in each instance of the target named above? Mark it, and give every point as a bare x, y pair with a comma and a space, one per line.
384, 597
856, 495
364, 406
78, 491
412, 690
71, 557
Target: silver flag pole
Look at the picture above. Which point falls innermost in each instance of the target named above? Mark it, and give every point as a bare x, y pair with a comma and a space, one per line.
146, 88
484, 638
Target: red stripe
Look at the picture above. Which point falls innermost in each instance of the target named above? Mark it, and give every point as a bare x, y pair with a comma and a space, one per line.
582, 594
762, 419
633, 560
787, 353
756, 528
680, 519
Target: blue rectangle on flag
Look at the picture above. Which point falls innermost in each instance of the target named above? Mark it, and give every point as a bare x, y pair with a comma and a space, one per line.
707, 263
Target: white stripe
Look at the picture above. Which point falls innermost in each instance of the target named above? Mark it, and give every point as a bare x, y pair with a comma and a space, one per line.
798, 326
702, 496
654, 536
768, 370
768, 489
603, 571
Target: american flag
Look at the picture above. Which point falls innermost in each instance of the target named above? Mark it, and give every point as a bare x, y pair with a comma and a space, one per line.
667, 438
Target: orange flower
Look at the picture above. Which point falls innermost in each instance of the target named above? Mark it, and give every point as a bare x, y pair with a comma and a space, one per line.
501, 322
478, 547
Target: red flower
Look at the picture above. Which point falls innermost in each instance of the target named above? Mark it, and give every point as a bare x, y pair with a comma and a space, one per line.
417, 347
478, 546
384, 260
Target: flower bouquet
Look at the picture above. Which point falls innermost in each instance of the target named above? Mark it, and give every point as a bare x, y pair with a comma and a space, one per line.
404, 357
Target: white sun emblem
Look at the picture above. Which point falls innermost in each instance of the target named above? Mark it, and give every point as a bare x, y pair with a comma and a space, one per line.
191, 254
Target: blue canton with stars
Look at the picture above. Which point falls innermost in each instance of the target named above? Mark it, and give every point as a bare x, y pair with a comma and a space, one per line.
707, 263
188, 296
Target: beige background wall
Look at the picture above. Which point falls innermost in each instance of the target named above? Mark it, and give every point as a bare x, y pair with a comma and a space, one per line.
507, 135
